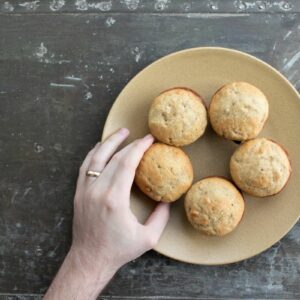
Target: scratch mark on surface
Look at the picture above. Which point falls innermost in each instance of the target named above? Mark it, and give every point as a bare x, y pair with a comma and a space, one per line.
63, 85
31, 5
215, 15
56, 5
64, 61
59, 223
27, 190
287, 35
110, 22
73, 78
53, 252
13, 198
291, 62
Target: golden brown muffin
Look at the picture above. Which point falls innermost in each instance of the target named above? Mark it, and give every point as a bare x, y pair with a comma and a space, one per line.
214, 206
177, 117
238, 111
165, 173
260, 167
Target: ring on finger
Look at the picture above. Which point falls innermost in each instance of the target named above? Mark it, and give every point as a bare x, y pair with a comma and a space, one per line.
90, 173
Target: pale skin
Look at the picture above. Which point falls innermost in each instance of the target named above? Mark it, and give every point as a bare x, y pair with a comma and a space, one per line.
106, 234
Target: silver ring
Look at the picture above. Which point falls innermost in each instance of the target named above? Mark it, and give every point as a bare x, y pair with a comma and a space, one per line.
92, 173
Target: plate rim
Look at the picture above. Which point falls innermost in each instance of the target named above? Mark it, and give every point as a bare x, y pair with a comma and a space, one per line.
221, 49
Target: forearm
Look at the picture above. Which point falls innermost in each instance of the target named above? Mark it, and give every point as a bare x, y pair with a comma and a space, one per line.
78, 279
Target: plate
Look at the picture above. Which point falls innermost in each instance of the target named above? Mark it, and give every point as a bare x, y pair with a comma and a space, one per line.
204, 70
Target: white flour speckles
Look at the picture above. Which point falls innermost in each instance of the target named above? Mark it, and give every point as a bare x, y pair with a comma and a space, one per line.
161, 4
84, 5
81, 5
131, 4
38, 251
7, 7
56, 5
262, 5
213, 5
186, 6
137, 54
38, 148
31, 5
88, 96
112, 70
41, 51
18, 225
110, 22
284, 5
103, 6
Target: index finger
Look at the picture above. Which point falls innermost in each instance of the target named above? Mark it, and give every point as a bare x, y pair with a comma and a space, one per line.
121, 168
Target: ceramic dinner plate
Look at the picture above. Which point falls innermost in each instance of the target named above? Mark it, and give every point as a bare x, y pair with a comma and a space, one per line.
266, 220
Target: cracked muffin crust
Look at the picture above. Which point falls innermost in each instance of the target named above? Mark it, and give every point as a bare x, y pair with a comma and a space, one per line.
260, 167
177, 117
165, 173
238, 111
214, 206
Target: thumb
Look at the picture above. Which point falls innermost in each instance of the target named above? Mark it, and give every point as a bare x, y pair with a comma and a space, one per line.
156, 223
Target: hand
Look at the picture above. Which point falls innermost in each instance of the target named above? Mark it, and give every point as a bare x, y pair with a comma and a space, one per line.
104, 227
106, 234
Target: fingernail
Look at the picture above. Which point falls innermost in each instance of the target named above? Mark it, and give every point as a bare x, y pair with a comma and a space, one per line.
148, 137
124, 131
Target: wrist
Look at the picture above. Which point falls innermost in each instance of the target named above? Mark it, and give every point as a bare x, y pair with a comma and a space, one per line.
98, 269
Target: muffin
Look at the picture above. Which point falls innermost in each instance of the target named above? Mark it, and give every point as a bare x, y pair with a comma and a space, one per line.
214, 206
165, 173
177, 117
260, 167
238, 111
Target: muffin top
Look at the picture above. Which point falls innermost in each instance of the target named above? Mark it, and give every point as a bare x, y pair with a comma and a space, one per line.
260, 167
177, 117
238, 111
165, 173
214, 206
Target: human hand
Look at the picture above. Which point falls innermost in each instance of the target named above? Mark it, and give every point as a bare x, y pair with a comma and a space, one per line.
104, 227
106, 234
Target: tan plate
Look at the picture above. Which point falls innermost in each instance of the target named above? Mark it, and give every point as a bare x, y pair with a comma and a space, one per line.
206, 69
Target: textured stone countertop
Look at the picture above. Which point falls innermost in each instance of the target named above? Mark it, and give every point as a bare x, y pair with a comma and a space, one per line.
62, 64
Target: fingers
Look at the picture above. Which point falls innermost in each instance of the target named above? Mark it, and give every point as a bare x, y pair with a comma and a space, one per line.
156, 223
106, 149
121, 168
86, 162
